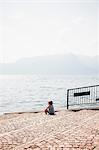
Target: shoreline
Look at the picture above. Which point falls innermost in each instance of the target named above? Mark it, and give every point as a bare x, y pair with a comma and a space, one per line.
32, 111
57, 110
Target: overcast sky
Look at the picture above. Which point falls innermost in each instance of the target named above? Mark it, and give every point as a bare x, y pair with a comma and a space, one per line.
35, 27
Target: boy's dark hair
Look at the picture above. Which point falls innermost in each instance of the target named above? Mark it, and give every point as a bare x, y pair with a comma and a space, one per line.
50, 102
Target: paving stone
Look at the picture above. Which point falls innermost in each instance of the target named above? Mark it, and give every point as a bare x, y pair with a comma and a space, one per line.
67, 130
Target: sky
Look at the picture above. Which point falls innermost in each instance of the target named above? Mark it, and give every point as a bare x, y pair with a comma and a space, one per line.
37, 27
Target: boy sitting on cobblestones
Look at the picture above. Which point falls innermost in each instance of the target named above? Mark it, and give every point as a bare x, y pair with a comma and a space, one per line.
50, 108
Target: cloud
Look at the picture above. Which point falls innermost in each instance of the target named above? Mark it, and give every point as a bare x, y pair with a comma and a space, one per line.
30, 29
79, 20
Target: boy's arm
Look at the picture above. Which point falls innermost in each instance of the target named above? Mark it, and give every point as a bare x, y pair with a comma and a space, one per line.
46, 110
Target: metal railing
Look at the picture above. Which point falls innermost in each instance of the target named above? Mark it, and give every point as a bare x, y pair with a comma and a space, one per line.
83, 96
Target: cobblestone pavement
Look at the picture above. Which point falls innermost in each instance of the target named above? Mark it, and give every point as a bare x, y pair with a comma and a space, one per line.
67, 130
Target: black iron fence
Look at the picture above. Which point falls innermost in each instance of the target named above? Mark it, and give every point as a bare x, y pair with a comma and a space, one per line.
83, 96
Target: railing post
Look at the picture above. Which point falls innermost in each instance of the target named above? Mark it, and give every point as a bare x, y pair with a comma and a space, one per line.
67, 99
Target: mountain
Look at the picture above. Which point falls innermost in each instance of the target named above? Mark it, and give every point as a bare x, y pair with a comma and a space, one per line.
53, 64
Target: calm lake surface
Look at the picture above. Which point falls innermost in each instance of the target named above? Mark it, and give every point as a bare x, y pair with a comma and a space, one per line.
32, 92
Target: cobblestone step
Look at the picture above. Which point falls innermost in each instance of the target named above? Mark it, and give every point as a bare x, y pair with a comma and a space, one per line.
70, 129
81, 136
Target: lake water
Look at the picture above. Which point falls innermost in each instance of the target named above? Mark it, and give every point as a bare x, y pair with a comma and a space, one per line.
32, 92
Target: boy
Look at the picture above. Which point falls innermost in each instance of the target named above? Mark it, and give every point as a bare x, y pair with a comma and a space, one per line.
50, 108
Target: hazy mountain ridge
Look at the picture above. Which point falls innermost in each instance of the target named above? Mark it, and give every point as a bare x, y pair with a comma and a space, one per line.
54, 64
